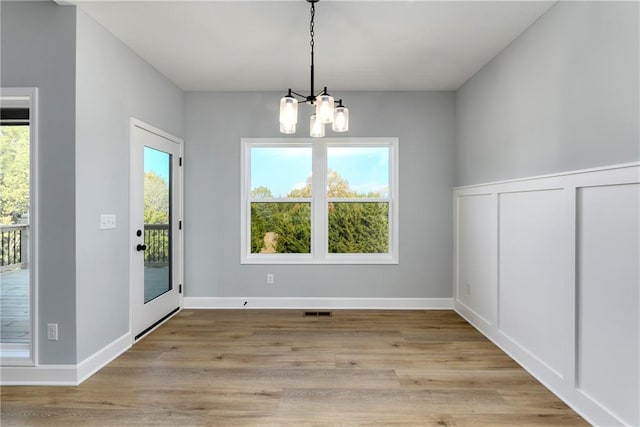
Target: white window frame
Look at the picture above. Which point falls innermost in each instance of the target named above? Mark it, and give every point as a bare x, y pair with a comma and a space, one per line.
319, 202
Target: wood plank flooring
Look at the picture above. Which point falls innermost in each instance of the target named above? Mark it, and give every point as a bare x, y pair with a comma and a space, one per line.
247, 367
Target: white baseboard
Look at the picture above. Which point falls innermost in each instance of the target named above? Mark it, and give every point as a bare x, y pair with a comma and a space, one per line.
319, 303
101, 358
65, 375
39, 375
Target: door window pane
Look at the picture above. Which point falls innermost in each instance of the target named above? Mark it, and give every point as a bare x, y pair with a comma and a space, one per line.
157, 223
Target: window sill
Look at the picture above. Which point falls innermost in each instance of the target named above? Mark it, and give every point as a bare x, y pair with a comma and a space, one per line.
346, 259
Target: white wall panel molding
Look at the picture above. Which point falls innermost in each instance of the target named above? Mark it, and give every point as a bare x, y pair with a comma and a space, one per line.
547, 268
621, 172
530, 264
476, 278
319, 303
607, 296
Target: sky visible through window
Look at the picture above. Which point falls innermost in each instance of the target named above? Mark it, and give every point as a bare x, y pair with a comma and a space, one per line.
282, 169
365, 168
156, 161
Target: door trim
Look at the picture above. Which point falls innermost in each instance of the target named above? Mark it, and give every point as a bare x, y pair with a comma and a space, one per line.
34, 233
178, 211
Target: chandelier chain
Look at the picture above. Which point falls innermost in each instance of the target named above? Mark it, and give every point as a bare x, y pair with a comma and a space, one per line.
312, 25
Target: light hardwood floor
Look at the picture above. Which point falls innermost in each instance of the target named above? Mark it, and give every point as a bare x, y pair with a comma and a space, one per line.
281, 368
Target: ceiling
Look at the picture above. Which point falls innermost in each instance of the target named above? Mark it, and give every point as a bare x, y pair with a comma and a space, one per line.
394, 45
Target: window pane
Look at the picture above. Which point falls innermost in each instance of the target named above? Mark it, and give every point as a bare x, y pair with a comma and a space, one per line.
358, 228
280, 172
358, 171
280, 228
157, 223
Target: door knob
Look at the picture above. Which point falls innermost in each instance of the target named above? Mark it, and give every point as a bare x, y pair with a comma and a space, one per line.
140, 247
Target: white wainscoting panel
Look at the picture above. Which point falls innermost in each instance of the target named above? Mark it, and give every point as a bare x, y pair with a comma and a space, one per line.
608, 275
476, 281
557, 258
531, 274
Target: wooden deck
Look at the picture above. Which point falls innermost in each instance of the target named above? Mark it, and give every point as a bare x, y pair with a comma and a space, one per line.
255, 367
14, 307
14, 301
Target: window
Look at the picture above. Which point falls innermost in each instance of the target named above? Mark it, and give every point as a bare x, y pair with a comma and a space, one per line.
311, 201
280, 205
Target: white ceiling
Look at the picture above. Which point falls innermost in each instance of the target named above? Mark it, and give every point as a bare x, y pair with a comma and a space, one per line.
360, 45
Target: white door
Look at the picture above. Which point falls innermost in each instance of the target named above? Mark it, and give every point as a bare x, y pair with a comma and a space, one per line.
156, 227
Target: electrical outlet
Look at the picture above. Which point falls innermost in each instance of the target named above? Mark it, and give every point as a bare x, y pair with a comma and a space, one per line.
269, 279
52, 331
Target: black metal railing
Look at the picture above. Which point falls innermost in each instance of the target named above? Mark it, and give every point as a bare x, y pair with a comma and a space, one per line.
14, 247
158, 242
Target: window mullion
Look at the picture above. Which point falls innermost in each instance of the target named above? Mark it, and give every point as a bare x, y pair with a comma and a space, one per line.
319, 203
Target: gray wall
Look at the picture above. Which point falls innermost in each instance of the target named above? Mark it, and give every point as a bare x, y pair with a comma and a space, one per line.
214, 124
38, 49
113, 85
562, 96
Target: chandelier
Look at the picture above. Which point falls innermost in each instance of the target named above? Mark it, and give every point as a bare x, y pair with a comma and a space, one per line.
327, 109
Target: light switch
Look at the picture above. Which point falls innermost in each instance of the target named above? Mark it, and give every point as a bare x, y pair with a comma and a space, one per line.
107, 221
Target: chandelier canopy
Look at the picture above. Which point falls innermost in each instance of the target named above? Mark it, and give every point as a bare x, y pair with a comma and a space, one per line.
327, 109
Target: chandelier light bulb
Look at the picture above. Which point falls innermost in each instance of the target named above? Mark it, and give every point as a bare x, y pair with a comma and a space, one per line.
288, 111
287, 128
325, 107
341, 119
316, 127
